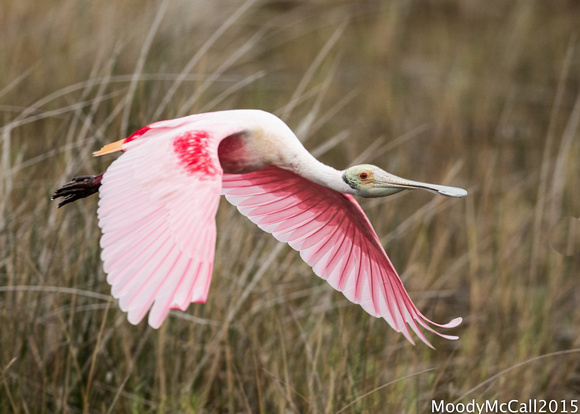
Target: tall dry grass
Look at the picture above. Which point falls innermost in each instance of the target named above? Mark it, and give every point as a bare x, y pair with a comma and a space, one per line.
484, 95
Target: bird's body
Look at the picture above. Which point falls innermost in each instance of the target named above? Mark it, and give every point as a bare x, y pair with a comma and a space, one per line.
159, 199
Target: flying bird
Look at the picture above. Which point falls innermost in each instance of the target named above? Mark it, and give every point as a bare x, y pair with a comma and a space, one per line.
159, 199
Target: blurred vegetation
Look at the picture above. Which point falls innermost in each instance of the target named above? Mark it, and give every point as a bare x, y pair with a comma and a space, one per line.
479, 94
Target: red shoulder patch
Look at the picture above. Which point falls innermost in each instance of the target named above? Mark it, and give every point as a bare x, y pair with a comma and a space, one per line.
137, 134
192, 148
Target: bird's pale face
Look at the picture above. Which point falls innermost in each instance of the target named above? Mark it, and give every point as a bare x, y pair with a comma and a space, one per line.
371, 181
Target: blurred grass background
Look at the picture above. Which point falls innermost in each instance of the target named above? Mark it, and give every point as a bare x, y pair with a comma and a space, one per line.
483, 95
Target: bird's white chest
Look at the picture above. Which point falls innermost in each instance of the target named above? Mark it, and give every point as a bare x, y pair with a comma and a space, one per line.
262, 144
238, 156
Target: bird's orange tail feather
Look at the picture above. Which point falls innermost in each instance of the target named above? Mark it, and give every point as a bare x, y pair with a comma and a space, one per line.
110, 148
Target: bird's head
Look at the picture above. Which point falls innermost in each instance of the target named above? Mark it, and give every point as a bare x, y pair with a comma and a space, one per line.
371, 181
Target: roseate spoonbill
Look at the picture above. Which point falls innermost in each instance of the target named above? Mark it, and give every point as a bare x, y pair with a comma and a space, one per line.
158, 202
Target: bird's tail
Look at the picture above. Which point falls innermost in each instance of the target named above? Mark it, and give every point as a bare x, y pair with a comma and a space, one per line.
109, 148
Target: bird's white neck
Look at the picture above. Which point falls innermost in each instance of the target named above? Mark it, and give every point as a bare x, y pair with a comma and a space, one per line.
286, 151
319, 173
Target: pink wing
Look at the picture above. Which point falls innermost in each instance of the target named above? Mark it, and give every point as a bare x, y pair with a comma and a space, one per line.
157, 212
333, 236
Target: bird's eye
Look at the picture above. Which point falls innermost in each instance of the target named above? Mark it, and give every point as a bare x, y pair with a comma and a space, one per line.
363, 176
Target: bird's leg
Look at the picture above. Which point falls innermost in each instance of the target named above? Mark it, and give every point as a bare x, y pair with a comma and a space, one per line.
78, 187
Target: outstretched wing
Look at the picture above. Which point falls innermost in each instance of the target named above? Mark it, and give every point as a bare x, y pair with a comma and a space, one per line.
333, 236
157, 212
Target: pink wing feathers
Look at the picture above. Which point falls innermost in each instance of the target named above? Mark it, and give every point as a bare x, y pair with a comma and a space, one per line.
333, 236
157, 212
